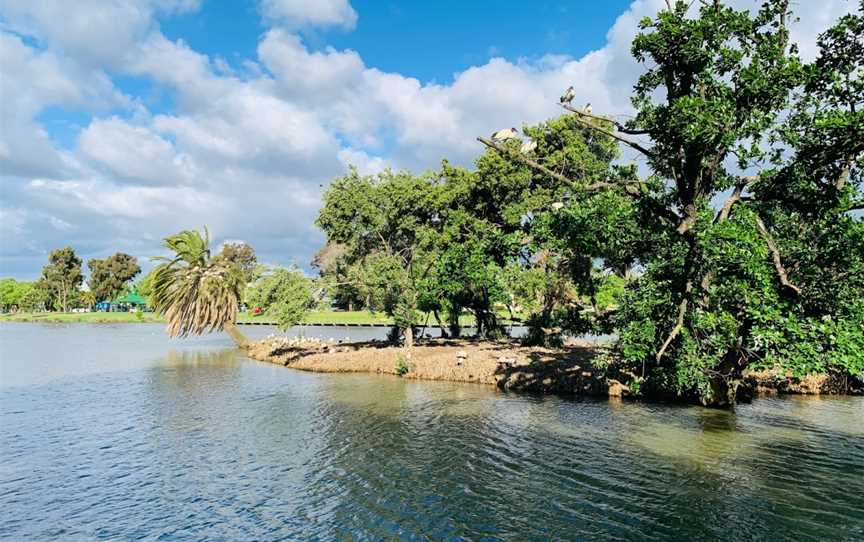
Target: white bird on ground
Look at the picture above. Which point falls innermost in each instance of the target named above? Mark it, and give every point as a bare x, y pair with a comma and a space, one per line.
568, 95
587, 109
528, 146
505, 134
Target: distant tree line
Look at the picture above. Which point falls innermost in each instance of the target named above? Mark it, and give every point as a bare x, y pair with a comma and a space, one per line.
62, 286
59, 288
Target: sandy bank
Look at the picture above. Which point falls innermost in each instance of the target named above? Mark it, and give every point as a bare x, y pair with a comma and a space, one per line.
574, 369
507, 365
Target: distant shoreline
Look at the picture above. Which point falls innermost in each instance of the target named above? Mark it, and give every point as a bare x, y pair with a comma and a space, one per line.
315, 318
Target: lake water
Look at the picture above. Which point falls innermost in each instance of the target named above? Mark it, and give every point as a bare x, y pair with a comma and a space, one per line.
117, 433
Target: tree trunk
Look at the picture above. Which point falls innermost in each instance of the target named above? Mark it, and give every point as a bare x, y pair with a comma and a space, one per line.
64, 305
478, 323
453, 322
239, 339
409, 341
444, 334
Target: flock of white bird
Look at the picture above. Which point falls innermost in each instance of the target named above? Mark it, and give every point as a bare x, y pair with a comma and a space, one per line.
530, 145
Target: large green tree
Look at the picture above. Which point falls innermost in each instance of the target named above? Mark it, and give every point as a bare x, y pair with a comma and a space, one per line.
749, 255
108, 277
283, 293
342, 281
14, 294
504, 226
385, 224
62, 276
243, 256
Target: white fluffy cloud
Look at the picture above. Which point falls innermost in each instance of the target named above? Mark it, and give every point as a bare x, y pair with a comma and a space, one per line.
95, 32
135, 154
310, 76
303, 13
246, 151
31, 81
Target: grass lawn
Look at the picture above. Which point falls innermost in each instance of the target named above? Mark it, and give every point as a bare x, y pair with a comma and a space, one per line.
314, 317
83, 317
326, 317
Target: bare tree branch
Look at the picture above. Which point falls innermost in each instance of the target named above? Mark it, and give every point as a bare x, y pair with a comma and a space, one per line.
692, 214
631, 188
734, 198
775, 255
618, 126
679, 323
598, 185
613, 135
525, 160
843, 177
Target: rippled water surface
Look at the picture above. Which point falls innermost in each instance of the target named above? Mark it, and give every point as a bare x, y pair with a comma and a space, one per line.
116, 433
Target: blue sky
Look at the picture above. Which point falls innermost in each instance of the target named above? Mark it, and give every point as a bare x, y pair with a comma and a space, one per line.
427, 40
124, 121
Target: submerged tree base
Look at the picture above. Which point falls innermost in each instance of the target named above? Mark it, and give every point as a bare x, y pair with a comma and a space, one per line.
578, 368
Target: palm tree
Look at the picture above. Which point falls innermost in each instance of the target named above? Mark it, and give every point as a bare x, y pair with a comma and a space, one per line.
197, 293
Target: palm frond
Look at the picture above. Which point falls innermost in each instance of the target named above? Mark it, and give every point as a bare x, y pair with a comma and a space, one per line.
195, 294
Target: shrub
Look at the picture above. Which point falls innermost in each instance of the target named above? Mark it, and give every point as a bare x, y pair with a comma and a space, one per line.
402, 366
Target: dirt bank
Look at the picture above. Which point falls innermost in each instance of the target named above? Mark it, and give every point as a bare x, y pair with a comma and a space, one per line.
507, 365
776, 382
573, 369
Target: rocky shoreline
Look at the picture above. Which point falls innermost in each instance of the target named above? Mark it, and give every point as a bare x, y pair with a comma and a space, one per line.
578, 368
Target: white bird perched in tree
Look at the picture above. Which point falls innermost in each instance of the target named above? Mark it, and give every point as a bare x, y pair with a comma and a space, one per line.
557, 206
587, 109
505, 134
568, 95
528, 146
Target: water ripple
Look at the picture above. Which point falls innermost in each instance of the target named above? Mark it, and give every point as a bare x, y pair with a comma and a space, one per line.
201, 444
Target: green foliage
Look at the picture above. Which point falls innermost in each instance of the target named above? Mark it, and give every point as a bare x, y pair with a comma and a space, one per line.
385, 225
342, 281
144, 286
475, 241
194, 292
17, 295
34, 298
284, 294
610, 291
243, 256
402, 366
774, 280
108, 277
504, 229
61, 277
